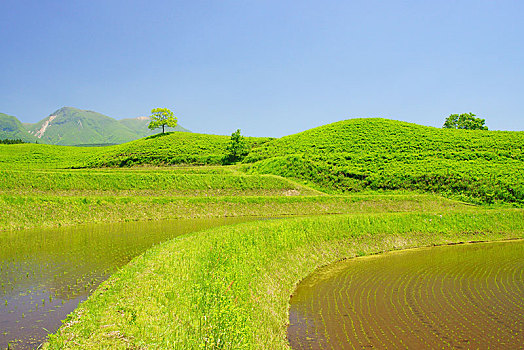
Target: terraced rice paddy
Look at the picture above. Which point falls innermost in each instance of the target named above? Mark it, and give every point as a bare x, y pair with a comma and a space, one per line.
44, 274
462, 297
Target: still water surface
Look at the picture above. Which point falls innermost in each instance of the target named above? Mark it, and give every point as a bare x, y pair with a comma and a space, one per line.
468, 296
45, 273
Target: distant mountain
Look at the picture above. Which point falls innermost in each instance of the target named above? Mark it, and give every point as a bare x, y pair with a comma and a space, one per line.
11, 128
70, 126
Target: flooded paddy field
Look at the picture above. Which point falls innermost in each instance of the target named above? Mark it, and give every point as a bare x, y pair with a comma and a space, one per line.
455, 297
44, 274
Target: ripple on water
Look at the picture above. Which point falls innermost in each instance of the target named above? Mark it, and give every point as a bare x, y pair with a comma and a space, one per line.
460, 296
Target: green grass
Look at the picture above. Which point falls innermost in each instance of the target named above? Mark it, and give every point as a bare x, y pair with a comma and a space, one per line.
56, 197
229, 287
361, 154
151, 181
34, 211
173, 148
36, 157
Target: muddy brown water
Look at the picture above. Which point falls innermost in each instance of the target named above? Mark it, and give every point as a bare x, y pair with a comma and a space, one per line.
468, 296
45, 273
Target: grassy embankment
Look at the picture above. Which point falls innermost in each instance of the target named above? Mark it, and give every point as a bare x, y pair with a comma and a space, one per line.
228, 288
170, 149
65, 197
46, 198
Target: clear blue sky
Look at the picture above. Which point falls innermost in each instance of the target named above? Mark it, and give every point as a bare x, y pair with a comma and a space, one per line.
270, 68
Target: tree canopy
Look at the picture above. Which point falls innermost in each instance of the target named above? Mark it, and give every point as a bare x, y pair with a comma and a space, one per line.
236, 148
465, 121
162, 117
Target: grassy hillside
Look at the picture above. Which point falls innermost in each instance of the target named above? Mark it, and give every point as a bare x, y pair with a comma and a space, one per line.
12, 129
381, 154
168, 149
161, 149
73, 127
348, 156
37, 189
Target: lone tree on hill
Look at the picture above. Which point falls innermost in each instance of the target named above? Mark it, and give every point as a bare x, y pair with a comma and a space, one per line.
236, 148
162, 117
465, 121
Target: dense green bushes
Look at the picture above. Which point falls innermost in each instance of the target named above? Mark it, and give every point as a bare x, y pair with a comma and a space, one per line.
479, 184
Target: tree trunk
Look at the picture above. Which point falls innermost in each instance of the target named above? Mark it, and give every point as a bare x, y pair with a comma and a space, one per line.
163, 128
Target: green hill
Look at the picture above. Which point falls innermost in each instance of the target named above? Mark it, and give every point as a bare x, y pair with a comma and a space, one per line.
381, 154
12, 129
70, 126
169, 148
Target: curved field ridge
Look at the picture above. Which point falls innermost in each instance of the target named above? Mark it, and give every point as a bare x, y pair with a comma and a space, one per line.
466, 296
229, 288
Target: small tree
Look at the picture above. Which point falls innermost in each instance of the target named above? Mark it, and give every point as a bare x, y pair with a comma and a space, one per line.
162, 117
236, 148
465, 121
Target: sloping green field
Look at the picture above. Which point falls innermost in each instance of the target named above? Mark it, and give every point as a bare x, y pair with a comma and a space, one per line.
353, 156
163, 182
161, 149
53, 197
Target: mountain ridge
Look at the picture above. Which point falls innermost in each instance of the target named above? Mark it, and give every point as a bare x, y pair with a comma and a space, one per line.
11, 128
